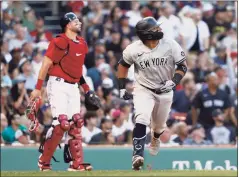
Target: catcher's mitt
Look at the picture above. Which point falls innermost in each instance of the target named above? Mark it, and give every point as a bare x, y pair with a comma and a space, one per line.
31, 113
92, 102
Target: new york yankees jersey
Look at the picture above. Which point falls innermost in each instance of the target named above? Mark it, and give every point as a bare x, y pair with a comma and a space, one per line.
153, 66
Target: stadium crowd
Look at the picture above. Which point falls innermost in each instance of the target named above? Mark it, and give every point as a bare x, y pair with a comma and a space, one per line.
204, 109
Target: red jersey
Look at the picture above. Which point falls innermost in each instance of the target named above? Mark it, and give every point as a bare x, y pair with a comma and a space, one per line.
68, 57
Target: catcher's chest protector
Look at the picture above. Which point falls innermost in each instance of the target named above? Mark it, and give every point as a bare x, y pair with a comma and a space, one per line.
70, 55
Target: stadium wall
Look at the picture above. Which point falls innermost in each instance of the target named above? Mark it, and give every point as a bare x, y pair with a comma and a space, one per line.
118, 158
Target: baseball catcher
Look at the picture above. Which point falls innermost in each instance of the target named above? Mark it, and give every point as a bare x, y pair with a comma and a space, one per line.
63, 63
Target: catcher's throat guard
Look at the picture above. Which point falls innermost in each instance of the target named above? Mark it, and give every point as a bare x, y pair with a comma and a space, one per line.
31, 113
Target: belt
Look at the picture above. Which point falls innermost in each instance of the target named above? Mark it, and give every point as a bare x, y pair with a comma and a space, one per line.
156, 91
59, 79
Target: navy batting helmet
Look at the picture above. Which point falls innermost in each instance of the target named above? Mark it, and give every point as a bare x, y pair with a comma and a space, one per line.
68, 17
143, 29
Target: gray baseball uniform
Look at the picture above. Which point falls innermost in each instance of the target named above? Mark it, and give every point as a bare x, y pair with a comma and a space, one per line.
151, 68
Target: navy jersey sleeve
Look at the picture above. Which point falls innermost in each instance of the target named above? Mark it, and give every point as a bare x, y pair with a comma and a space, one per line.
197, 102
227, 101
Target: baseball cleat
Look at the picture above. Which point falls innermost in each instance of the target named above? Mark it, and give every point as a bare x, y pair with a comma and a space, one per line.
43, 166
154, 146
83, 167
137, 162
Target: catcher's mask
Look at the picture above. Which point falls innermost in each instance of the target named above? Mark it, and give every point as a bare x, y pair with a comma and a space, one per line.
68, 17
144, 29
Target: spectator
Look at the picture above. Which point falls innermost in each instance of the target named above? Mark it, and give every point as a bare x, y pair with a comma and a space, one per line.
7, 21
134, 14
25, 69
208, 11
217, 24
170, 23
207, 100
3, 126
5, 52
104, 137
29, 18
90, 129
19, 95
99, 49
114, 17
13, 64
197, 135
221, 57
222, 79
231, 38
233, 121
182, 100
126, 30
181, 131
38, 56
15, 132
40, 34
6, 107
19, 40
27, 50
119, 126
199, 39
166, 139
219, 134
114, 44
201, 69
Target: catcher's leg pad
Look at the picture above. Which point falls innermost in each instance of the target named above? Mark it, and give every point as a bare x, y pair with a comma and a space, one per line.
73, 151
53, 138
31, 113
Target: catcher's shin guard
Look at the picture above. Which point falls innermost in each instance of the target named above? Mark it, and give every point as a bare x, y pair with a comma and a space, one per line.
53, 138
31, 113
73, 151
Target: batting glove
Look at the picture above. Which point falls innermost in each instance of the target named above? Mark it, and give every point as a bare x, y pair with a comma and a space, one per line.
168, 86
125, 95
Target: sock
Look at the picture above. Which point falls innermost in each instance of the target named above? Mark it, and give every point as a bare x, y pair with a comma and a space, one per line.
157, 135
139, 138
139, 130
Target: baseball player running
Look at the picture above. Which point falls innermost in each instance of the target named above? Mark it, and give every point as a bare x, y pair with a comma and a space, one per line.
63, 63
154, 59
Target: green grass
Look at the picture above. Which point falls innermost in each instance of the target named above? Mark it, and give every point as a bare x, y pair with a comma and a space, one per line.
122, 173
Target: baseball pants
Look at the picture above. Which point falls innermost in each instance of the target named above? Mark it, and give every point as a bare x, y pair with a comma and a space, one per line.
150, 108
64, 98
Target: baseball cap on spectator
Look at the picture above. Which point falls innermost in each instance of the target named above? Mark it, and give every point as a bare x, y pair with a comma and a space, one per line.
21, 63
216, 112
207, 7
15, 50
221, 47
123, 17
100, 56
195, 127
107, 83
19, 79
116, 114
104, 67
220, 9
8, 11
123, 105
100, 42
6, 82
27, 9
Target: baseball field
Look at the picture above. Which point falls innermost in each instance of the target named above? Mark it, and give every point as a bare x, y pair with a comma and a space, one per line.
123, 173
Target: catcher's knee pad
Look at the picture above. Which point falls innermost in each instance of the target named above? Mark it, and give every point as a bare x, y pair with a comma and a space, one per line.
53, 138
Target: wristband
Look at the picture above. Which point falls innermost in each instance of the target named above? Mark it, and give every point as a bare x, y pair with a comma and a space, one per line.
122, 83
177, 78
39, 84
85, 87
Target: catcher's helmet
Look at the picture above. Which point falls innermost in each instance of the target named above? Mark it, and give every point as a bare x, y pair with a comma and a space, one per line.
143, 29
68, 17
